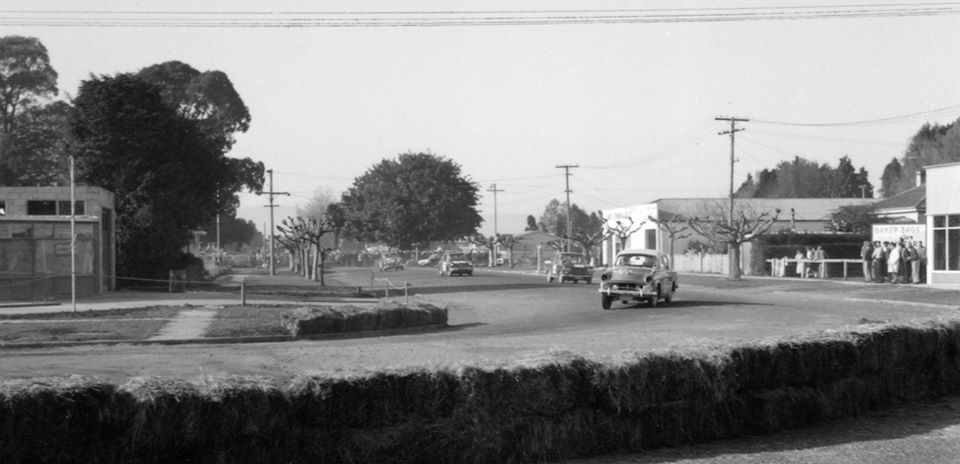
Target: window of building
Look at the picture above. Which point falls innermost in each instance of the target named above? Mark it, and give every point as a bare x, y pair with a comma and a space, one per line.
3, 208
52, 208
41, 208
946, 243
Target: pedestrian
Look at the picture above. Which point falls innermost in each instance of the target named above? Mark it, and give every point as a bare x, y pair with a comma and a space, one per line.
820, 255
808, 257
884, 254
879, 263
894, 261
866, 255
923, 262
914, 255
799, 258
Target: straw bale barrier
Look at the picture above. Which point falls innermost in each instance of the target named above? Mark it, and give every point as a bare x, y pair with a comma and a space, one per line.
558, 406
315, 320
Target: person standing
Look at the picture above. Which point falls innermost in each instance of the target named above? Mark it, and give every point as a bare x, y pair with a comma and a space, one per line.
879, 261
923, 262
799, 258
894, 260
820, 256
808, 257
866, 255
914, 262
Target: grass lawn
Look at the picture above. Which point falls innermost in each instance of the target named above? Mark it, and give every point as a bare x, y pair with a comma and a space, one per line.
109, 325
249, 321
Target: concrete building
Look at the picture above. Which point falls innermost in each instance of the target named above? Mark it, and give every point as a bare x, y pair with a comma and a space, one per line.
943, 223
35, 242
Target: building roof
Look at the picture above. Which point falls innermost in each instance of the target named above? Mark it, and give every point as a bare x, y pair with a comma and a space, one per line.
914, 199
800, 209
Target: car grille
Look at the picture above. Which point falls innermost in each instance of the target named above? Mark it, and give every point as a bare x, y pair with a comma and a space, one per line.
625, 286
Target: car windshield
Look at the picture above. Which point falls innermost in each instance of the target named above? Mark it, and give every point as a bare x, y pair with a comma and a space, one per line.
571, 259
457, 257
637, 260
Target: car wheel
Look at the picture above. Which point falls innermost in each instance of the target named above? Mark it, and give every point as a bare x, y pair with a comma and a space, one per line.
655, 299
668, 298
589, 281
401, 268
470, 274
605, 301
549, 278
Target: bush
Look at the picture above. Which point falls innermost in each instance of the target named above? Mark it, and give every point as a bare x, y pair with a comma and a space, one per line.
315, 320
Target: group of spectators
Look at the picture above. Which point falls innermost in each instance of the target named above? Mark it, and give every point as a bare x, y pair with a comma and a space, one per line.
894, 262
806, 269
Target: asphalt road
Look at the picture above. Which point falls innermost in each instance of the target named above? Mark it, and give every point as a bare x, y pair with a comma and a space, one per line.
495, 317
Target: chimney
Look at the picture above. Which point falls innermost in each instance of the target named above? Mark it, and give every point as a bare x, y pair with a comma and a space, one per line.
921, 178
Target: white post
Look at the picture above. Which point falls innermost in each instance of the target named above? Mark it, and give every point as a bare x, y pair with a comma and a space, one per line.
73, 239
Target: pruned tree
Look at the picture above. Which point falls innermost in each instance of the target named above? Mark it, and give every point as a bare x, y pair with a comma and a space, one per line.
853, 218
486, 241
588, 241
306, 236
622, 229
676, 228
508, 242
714, 224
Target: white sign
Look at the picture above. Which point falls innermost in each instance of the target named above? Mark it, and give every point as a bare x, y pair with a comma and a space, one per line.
898, 232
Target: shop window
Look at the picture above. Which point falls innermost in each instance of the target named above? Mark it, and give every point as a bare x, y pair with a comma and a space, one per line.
3, 208
946, 243
63, 208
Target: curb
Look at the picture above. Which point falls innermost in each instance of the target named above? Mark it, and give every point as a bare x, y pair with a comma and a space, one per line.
902, 303
231, 340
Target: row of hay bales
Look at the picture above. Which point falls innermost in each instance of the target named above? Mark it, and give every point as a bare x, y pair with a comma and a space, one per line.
557, 407
316, 320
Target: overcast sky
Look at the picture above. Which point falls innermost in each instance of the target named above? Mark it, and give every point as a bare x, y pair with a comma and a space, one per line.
632, 104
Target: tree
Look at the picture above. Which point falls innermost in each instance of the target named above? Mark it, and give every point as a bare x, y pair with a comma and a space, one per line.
167, 176
25, 77
675, 226
487, 242
892, 180
234, 232
35, 152
853, 218
416, 198
531, 224
932, 144
508, 242
554, 218
622, 229
305, 237
713, 224
803, 178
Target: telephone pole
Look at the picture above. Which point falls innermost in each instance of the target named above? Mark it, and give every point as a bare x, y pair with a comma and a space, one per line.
732, 132
566, 174
493, 188
272, 205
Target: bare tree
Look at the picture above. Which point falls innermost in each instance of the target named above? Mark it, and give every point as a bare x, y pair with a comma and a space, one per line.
306, 236
713, 224
675, 227
508, 242
488, 242
622, 229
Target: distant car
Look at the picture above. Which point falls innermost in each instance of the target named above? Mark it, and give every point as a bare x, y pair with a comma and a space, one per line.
429, 260
455, 263
389, 261
569, 266
638, 275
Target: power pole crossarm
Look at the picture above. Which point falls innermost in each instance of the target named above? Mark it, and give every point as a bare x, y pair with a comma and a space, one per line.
732, 132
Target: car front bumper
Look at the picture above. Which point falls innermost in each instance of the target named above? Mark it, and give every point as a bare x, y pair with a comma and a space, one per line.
634, 290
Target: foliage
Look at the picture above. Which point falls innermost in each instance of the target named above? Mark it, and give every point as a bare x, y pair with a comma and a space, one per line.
785, 243
932, 144
554, 219
508, 242
714, 224
416, 198
853, 218
676, 228
531, 224
35, 151
234, 232
166, 173
25, 77
487, 242
803, 178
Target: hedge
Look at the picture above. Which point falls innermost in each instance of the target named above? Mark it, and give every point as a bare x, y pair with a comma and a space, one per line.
315, 320
559, 406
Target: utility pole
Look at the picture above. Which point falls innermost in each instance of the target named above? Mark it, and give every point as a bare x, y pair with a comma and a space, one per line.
493, 188
732, 132
272, 205
566, 174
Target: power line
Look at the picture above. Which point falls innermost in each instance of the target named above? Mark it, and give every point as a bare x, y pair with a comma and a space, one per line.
954, 109
355, 19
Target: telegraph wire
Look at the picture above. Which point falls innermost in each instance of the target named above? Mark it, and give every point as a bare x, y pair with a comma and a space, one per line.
947, 110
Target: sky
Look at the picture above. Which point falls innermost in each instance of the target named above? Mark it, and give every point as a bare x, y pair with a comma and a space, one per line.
632, 105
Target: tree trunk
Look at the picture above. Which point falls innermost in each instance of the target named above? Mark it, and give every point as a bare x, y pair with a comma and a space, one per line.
317, 265
733, 252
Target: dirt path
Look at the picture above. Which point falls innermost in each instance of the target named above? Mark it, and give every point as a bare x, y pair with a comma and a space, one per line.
189, 324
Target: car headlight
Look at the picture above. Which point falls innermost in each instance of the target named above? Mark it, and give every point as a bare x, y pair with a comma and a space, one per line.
648, 279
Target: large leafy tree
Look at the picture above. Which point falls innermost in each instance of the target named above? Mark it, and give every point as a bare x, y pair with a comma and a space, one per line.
803, 178
165, 171
25, 77
36, 149
932, 144
415, 198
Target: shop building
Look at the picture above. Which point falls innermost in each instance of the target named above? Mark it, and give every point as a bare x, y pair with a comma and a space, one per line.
943, 223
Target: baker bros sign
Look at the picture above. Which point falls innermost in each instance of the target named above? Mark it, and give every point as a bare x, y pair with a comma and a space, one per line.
898, 232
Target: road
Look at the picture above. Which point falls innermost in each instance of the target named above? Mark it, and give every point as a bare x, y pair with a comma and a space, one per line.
495, 317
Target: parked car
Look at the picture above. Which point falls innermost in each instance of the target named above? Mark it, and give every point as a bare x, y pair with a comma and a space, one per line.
455, 263
428, 259
638, 275
569, 266
389, 261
